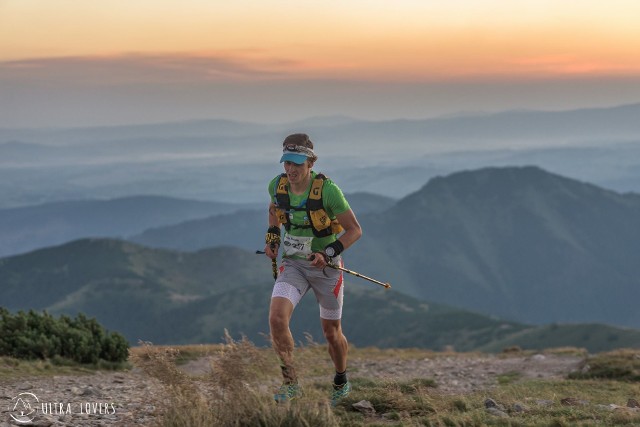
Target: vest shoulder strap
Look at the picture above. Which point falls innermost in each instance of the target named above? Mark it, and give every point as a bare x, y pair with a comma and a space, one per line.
281, 195
314, 202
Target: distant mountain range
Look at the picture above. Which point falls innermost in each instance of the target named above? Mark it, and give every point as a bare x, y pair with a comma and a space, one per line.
518, 125
28, 228
174, 297
201, 159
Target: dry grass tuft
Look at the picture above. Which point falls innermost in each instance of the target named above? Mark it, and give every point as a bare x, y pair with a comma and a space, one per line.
238, 365
232, 393
188, 406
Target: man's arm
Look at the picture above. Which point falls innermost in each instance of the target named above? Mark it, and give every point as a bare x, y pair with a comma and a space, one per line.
352, 229
352, 232
273, 218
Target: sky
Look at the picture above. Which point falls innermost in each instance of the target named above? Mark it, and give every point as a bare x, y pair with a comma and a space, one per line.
85, 63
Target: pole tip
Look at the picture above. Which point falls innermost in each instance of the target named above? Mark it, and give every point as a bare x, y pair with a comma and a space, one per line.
387, 285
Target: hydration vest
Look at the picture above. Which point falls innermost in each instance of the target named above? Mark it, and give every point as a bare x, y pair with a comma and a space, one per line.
319, 221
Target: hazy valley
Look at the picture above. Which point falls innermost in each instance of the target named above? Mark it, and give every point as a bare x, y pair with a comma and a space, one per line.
225, 161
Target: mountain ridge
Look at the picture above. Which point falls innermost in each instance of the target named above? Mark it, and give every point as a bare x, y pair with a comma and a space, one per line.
228, 125
171, 297
491, 242
32, 227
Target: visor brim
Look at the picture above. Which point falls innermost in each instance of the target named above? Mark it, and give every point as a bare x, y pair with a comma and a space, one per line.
298, 159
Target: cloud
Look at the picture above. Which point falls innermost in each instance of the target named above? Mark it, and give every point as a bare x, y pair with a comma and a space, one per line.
146, 69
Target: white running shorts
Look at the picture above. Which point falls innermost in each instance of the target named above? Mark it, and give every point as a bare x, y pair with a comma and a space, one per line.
296, 277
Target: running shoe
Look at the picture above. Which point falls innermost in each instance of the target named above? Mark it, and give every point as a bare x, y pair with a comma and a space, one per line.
287, 393
340, 392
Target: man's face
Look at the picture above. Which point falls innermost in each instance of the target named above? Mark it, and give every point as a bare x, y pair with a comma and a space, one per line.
297, 173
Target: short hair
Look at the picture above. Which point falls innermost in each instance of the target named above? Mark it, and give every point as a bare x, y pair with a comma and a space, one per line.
300, 139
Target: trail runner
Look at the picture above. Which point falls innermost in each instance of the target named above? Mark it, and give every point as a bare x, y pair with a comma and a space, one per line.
319, 226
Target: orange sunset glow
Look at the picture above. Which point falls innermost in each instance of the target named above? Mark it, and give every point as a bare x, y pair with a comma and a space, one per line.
122, 60
406, 40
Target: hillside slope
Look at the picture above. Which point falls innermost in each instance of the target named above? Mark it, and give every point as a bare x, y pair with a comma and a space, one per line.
32, 227
173, 297
519, 243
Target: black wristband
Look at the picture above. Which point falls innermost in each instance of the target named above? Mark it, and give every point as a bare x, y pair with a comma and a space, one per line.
336, 248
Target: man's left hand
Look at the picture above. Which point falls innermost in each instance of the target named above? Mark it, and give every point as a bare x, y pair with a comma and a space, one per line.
319, 259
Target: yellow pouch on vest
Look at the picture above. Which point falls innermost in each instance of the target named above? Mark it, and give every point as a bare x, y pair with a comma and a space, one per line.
320, 219
281, 214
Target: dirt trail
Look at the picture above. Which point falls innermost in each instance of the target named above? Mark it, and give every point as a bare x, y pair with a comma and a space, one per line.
461, 374
455, 374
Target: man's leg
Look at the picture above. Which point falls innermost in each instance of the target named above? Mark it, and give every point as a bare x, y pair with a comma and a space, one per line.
338, 345
338, 348
279, 316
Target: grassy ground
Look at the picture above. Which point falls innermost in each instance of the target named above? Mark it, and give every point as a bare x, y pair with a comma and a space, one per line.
238, 389
238, 392
17, 368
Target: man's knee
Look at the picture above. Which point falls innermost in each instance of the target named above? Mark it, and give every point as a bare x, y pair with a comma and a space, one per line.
278, 321
279, 314
332, 331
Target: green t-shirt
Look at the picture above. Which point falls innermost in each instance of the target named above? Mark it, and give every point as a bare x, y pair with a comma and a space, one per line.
333, 201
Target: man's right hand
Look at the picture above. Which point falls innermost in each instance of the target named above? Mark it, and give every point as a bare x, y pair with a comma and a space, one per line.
271, 251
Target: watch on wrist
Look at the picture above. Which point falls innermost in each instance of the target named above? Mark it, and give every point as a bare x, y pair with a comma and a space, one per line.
334, 249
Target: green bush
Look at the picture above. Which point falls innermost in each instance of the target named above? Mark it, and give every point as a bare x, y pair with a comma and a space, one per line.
33, 335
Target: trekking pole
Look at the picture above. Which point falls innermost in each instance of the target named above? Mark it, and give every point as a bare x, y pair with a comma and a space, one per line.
346, 270
362, 276
274, 263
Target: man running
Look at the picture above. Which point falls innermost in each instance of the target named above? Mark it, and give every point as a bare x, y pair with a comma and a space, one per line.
314, 212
